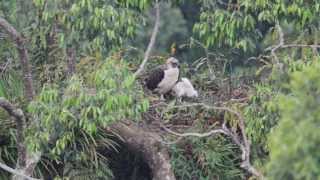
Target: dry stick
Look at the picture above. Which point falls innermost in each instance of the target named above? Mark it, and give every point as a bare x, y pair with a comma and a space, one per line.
15, 172
24, 59
151, 42
245, 146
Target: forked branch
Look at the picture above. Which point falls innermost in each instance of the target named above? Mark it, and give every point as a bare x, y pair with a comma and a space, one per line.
242, 141
282, 45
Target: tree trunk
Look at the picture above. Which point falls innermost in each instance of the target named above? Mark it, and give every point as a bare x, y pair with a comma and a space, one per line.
24, 59
154, 153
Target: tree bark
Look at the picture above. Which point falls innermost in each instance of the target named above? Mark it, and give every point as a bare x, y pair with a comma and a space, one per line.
26, 162
155, 154
24, 59
20, 123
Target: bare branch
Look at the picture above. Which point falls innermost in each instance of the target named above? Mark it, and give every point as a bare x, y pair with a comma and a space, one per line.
200, 135
15, 172
24, 59
20, 122
282, 45
152, 40
300, 46
281, 35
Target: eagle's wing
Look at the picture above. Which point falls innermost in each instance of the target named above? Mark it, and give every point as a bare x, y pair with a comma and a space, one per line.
155, 77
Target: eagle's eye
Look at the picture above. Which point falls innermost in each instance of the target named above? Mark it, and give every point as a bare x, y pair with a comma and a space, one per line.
175, 64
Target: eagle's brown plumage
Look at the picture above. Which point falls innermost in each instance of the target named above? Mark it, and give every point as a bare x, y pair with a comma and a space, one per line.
164, 77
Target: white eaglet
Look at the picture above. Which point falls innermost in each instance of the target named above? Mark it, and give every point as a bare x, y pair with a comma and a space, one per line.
184, 88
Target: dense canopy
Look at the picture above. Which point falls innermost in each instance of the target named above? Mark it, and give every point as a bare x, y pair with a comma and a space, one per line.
74, 102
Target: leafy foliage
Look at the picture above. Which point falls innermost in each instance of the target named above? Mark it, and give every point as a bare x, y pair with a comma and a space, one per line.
68, 119
294, 142
94, 23
243, 23
261, 116
214, 158
62, 115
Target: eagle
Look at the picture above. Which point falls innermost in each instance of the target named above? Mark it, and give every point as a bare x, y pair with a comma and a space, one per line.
164, 77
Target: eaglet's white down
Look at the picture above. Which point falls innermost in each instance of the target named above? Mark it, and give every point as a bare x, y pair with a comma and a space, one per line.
184, 88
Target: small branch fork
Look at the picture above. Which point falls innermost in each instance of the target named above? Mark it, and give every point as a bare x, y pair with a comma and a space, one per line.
151, 42
282, 45
242, 141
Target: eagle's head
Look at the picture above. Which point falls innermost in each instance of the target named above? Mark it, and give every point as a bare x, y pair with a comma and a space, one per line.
172, 62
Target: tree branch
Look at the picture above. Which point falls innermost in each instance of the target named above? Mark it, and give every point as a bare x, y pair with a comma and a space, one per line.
26, 162
152, 40
20, 122
15, 172
200, 135
23, 54
282, 45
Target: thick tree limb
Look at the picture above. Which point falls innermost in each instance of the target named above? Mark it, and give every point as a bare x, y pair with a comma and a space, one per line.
26, 162
31, 163
20, 122
24, 59
242, 142
146, 142
15, 172
152, 40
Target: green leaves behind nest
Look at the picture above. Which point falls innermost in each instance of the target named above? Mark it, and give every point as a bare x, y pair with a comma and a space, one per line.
109, 95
